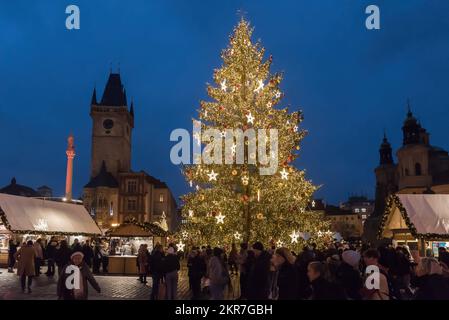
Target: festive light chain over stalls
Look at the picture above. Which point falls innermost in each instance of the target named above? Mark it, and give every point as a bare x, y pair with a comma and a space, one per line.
233, 202
25, 218
418, 220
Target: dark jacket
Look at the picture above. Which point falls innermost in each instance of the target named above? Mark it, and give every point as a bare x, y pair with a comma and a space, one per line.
324, 290
288, 282
197, 267
171, 263
157, 263
86, 276
350, 280
88, 252
50, 251
62, 256
258, 277
432, 287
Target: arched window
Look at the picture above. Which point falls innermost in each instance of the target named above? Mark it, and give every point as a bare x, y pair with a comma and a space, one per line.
418, 169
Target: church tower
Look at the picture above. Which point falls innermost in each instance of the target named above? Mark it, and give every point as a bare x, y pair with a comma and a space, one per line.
386, 176
112, 124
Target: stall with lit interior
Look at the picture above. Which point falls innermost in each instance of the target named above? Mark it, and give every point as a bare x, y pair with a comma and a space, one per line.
420, 221
23, 219
125, 240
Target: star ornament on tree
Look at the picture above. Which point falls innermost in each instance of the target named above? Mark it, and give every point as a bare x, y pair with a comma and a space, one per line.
190, 213
237, 235
220, 218
259, 87
223, 85
250, 118
212, 176
181, 246
295, 129
279, 244
284, 174
294, 236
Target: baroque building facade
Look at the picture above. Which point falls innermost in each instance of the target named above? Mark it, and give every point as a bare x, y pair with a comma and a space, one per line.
116, 193
420, 168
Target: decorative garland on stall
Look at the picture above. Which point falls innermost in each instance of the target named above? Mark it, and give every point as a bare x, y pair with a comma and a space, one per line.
394, 201
5, 222
154, 229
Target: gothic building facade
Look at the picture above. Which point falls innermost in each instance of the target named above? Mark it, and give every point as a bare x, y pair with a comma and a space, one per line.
420, 168
116, 193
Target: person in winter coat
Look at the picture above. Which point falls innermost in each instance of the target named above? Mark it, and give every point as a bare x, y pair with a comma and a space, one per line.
348, 275
371, 258
26, 256
258, 278
76, 246
79, 291
217, 274
321, 288
39, 256
142, 259
98, 256
171, 268
302, 262
431, 284
11, 252
287, 279
232, 260
62, 255
197, 269
88, 253
156, 269
50, 252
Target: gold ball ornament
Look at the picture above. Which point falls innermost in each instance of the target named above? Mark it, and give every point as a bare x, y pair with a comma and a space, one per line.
234, 172
259, 216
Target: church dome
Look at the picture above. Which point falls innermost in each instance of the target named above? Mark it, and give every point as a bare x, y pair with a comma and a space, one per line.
19, 190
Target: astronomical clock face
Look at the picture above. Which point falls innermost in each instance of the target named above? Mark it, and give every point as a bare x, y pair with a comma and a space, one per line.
108, 124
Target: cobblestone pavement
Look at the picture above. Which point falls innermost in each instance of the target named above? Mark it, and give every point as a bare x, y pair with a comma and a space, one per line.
113, 288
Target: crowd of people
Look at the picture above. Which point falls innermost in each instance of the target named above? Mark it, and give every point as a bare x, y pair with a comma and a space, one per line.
340, 272
30, 257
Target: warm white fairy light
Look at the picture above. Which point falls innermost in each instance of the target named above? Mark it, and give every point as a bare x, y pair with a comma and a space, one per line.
258, 195
245, 180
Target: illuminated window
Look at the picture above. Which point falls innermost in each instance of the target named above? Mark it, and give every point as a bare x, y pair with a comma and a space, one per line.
363, 209
161, 198
356, 210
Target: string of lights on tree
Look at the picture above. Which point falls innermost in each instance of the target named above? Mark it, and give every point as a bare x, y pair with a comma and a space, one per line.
234, 203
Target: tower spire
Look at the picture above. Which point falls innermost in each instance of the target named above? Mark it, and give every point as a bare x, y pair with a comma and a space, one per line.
70, 152
409, 109
94, 97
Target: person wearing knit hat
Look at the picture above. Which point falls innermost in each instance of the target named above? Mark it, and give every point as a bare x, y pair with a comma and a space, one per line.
74, 279
352, 258
258, 246
348, 274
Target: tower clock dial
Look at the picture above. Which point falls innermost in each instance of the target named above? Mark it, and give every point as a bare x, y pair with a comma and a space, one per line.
108, 124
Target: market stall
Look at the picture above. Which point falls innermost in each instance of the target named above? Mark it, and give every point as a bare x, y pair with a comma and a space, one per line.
419, 220
23, 219
125, 241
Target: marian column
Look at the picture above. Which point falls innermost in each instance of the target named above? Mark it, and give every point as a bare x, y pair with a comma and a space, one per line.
70, 155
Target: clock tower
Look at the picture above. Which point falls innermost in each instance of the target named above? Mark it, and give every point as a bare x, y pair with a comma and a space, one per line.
112, 124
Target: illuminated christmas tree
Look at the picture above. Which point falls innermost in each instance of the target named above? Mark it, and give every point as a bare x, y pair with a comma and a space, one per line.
231, 200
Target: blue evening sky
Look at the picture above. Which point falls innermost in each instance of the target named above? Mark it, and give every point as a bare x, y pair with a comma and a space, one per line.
350, 82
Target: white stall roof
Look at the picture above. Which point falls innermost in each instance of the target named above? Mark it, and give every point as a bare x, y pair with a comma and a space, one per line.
32, 215
429, 213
